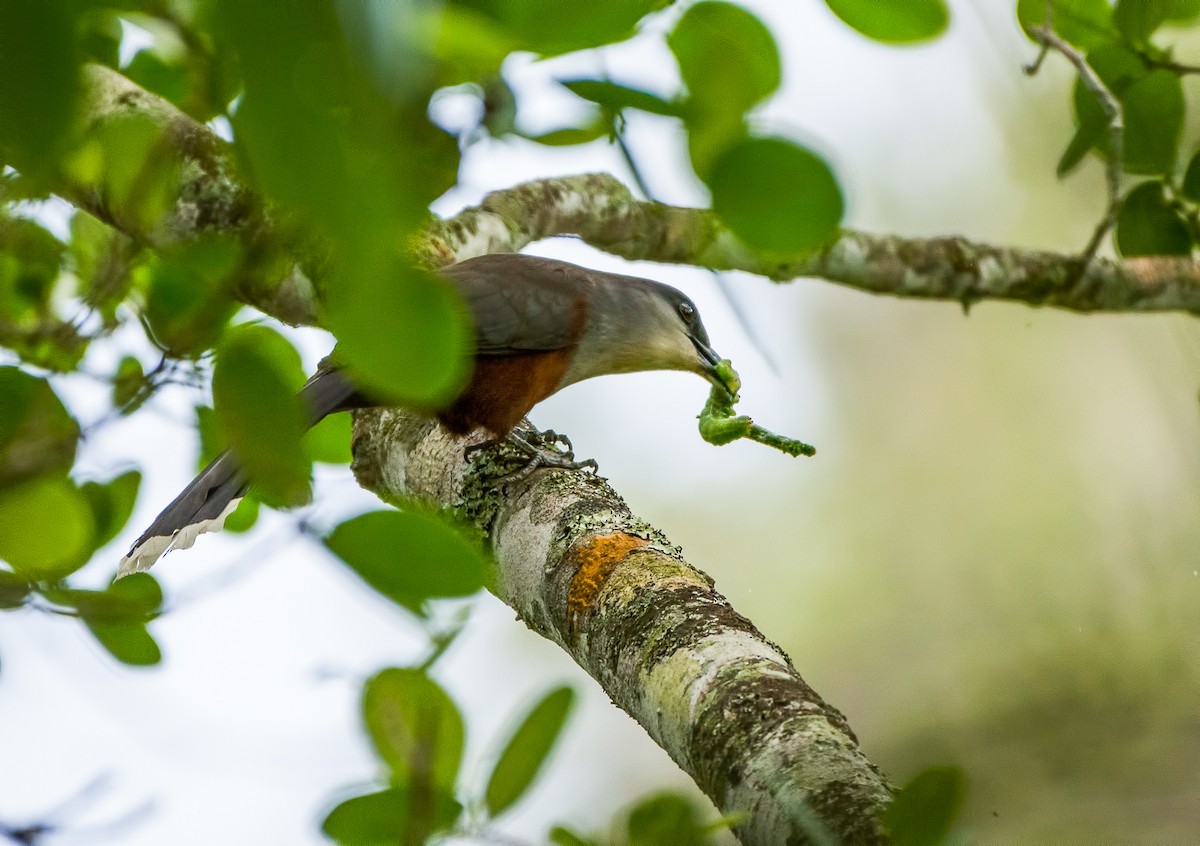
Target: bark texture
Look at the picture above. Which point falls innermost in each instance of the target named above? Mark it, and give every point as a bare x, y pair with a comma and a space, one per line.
580, 569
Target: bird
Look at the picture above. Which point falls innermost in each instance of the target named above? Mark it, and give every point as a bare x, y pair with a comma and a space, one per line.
540, 325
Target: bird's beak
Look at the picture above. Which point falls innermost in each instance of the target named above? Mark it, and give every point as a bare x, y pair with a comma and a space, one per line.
711, 360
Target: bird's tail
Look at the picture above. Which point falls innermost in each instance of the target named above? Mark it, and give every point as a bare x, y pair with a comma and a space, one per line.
212, 496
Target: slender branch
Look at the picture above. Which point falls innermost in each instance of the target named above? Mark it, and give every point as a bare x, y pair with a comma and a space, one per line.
611, 590
1113, 110
600, 210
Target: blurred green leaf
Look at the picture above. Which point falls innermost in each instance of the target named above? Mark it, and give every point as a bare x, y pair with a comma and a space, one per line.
561, 836
244, 515
255, 381
134, 599
30, 259
385, 818
572, 135
37, 435
1154, 110
615, 97
727, 58
1191, 179
129, 643
127, 382
1181, 11
527, 750
376, 819
550, 27
925, 809
468, 44
188, 305
39, 82
169, 80
329, 440
14, 590
112, 503
100, 37
416, 728
212, 439
46, 528
1085, 23
408, 557
776, 196
102, 261
1148, 226
894, 21
135, 166
666, 818
407, 339
1137, 19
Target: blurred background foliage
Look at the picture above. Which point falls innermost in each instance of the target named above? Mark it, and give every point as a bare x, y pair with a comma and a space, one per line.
992, 565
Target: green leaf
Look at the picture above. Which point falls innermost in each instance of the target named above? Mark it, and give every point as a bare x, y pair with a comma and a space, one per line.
1154, 110
925, 809
244, 515
14, 590
1082, 142
615, 97
376, 818
894, 21
776, 196
1085, 23
386, 818
1137, 19
255, 381
128, 157
1191, 179
666, 818
134, 599
30, 260
727, 58
212, 439
129, 643
409, 557
527, 750
188, 305
1148, 226
1181, 11
37, 435
46, 528
408, 341
112, 503
572, 135
329, 440
153, 72
39, 82
127, 383
561, 836
416, 728
550, 27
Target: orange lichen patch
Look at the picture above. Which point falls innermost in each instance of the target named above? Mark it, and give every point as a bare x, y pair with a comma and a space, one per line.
594, 560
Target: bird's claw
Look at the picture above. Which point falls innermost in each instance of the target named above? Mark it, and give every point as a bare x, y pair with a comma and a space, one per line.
542, 457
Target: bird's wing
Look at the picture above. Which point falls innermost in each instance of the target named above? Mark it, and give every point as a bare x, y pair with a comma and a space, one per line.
521, 303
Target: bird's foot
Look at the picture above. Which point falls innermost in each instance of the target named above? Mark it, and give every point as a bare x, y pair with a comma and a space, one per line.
546, 454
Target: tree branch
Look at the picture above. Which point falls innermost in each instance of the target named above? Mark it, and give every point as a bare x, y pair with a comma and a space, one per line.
602, 211
611, 590
574, 563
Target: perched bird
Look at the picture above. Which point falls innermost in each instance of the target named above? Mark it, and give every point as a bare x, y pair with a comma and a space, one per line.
540, 325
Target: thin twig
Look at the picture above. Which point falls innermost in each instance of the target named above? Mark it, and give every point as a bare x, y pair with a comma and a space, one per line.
1116, 130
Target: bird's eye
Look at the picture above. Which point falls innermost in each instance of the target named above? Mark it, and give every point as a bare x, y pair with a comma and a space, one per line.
687, 312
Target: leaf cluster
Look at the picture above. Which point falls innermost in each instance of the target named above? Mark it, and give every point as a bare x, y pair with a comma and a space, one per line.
1158, 214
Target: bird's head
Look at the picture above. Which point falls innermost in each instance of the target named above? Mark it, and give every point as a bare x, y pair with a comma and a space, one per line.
639, 324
